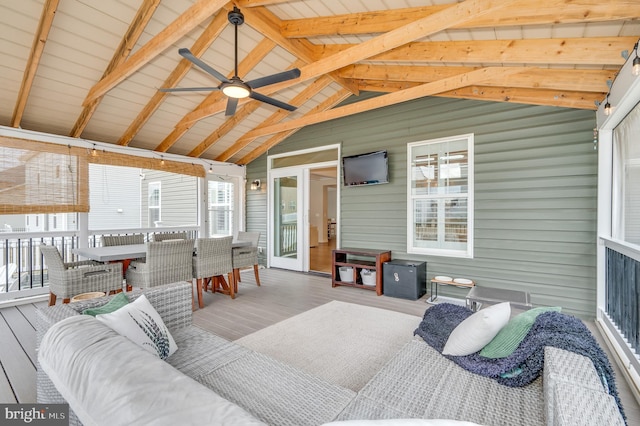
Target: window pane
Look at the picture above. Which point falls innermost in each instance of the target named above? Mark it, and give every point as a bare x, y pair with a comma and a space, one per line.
221, 208
425, 213
455, 218
440, 168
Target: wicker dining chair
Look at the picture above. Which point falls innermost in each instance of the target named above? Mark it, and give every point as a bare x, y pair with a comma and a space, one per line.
163, 236
122, 240
246, 257
68, 279
166, 262
210, 263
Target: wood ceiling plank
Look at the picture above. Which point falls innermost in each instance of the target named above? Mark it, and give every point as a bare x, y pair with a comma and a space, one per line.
40, 39
256, 3
542, 78
302, 97
528, 13
228, 125
457, 13
327, 104
182, 25
208, 36
561, 51
427, 89
247, 64
129, 40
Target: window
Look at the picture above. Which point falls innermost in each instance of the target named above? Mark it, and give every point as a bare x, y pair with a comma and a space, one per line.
220, 208
440, 199
626, 167
154, 203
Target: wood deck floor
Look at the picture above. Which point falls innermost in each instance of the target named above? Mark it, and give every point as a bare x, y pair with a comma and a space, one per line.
283, 294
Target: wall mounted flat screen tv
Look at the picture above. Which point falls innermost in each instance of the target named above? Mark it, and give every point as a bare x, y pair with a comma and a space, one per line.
365, 169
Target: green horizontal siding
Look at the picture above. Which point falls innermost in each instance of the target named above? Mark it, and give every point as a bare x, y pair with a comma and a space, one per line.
535, 192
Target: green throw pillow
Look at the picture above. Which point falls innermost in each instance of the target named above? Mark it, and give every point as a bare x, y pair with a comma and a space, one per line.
116, 302
509, 338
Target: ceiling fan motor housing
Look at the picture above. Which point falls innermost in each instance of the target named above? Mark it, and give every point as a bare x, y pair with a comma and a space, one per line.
235, 16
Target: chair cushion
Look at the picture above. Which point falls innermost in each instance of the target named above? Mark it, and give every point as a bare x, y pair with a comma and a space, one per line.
139, 322
116, 302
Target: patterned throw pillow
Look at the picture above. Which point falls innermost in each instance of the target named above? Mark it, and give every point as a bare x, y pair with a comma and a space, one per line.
510, 337
140, 322
475, 332
116, 302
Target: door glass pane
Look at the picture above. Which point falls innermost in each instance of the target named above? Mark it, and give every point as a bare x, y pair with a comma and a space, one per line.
286, 217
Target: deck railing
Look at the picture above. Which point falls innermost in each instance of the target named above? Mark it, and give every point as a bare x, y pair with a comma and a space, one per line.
22, 269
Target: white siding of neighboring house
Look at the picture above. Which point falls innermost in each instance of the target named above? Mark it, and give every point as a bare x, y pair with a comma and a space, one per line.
178, 198
114, 197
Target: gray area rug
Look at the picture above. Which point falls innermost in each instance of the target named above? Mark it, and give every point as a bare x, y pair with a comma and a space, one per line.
342, 343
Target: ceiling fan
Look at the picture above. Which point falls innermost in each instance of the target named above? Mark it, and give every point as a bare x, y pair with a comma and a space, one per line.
235, 88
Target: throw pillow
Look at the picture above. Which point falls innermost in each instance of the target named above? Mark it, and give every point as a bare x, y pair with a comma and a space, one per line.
475, 332
509, 338
116, 302
140, 322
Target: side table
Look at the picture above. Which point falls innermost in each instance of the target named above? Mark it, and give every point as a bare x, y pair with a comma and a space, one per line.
479, 295
435, 282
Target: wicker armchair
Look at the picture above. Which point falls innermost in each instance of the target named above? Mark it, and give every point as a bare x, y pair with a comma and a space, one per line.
166, 262
163, 236
246, 257
122, 240
72, 278
211, 262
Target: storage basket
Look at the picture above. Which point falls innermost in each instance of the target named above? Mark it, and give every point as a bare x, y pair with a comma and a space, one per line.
346, 274
368, 277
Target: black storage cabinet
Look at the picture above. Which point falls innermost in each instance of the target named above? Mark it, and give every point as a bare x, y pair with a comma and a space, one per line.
406, 279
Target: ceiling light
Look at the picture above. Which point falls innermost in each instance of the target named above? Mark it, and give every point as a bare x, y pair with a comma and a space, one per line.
607, 107
635, 70
94, 152
236, 88
210, 168
161, 160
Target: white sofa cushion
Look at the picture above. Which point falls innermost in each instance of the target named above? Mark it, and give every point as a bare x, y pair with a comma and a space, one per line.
107, 379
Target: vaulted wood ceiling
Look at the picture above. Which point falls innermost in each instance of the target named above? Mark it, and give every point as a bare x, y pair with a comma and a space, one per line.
92, 68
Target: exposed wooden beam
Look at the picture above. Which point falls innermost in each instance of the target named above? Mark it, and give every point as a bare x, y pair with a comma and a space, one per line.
427, 89
268, 24
42, 33
566, 51
256, 3
183, 24
327, 104
457, 13
309, 92
129, 40
565, 99
526, 12
246, 65
540, 78
203, 42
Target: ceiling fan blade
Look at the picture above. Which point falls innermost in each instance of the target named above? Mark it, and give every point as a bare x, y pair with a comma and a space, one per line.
274, 78
189, 89
186, 53
232, 104
271, 101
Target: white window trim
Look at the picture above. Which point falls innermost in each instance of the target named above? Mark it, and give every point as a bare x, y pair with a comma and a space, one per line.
468, 253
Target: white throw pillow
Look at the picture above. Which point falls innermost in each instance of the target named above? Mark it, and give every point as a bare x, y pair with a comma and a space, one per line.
140, 322
402, 422
478, 330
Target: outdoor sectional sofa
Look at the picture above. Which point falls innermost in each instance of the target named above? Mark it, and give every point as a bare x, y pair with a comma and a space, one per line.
107, 379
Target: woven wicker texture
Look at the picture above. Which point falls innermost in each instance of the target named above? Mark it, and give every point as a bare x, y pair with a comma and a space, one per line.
199, 351
122, 240
244, 257
276, 393
565, 366
421, 383
213, 257
69, 279
580, 406
163, 236
166, 262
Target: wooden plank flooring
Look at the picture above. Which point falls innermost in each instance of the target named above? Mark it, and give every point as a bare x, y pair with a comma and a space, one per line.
282, 295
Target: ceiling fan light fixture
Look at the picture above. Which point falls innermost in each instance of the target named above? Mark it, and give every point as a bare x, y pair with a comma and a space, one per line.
236, 89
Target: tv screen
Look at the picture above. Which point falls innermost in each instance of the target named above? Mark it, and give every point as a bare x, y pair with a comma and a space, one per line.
365, 169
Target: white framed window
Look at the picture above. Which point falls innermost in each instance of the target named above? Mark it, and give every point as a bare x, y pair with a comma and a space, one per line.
440, 197
221, 207
154, 203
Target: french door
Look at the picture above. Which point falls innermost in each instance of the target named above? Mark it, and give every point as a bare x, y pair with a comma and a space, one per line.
287, 228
